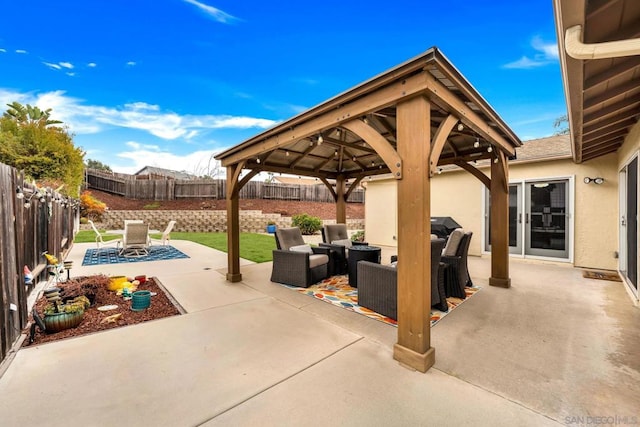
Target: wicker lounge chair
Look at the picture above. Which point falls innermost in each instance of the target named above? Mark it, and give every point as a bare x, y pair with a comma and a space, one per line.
296, 263
457, 273
378, 284
336, 238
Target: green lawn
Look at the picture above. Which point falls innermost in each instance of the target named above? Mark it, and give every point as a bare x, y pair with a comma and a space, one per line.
254, 247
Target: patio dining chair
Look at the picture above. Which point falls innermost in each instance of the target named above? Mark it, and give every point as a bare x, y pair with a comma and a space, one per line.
100, 242
296, 263
135, 240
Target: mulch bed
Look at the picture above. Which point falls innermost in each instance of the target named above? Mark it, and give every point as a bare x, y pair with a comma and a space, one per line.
161, 306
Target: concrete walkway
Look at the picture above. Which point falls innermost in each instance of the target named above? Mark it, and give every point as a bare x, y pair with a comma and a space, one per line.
555, 349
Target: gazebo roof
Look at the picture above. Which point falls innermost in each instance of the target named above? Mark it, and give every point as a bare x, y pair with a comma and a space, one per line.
335, 137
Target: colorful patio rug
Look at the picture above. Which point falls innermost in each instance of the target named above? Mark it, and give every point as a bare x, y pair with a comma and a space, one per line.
110, 255
336, 290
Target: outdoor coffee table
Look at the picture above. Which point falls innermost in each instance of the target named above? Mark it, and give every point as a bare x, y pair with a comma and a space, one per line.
361, 253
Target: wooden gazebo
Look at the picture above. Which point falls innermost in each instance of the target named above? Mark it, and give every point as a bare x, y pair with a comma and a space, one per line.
407, 121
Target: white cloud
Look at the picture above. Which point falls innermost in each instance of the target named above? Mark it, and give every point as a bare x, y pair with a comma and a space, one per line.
88, 119
67, 65
71, 74
131, 64
545, 53
213, 12
21, 51
52, 66
525, 63
3, 50
196, 163
92, 65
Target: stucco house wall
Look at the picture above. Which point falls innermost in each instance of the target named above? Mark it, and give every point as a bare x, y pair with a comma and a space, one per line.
461, 196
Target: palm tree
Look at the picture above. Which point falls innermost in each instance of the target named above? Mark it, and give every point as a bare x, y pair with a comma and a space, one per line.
30, 114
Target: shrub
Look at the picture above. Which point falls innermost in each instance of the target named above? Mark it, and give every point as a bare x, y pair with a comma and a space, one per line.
90, 207
153, 205
358, 236
84, 220
306, 223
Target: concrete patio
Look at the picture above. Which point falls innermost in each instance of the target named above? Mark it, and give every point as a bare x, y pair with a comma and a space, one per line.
555, 349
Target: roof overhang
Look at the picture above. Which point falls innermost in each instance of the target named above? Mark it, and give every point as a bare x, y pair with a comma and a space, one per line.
600, 59
338, 137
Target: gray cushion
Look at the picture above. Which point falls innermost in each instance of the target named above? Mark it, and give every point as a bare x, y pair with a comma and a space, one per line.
289, 237
342, 242
302, 248
335, 232
452, 244
316, 260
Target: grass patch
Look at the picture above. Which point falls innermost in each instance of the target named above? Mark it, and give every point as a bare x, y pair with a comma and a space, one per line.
153, 205
254, 247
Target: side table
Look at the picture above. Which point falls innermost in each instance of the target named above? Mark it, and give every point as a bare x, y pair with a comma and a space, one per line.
361, 253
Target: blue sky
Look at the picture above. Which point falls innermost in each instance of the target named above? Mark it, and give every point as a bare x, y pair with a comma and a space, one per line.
169, 83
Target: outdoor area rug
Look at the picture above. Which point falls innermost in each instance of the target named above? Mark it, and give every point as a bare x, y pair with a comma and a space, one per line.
602, 275
336, 290
110, 255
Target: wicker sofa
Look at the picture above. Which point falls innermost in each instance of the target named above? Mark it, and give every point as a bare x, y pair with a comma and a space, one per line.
378, 284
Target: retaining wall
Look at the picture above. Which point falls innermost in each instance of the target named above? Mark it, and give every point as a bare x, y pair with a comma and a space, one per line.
251, 221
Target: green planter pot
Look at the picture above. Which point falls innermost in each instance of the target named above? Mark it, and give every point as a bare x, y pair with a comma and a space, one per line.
57, 322
140, 300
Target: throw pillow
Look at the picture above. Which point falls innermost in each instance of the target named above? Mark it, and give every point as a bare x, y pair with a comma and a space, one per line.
344, 242
302, 248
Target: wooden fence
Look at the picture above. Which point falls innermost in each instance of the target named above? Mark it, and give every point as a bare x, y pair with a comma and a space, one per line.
171, 189
33, 221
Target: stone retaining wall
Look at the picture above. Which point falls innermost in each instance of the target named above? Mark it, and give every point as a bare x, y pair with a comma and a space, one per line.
251, 221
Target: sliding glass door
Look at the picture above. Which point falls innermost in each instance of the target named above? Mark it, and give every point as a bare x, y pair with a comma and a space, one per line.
538, 219
629, 223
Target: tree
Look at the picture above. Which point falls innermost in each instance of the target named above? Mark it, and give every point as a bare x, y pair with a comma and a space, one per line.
28, 114
29, 141
562, 124
96, 164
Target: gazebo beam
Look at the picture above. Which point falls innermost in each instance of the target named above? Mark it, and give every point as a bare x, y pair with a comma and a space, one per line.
378, 143
467, 116
414, 244
341, 204
499, 221
233, 224
389, 95
439, 139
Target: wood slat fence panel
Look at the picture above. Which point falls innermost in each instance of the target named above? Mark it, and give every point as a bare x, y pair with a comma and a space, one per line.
170, 189
28, 230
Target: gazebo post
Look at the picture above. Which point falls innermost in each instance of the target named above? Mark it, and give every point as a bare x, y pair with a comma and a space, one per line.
414, 229
500, 222
233, 223
341, 203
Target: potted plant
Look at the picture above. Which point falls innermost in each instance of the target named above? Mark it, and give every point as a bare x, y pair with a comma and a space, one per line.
271, 227
58, 317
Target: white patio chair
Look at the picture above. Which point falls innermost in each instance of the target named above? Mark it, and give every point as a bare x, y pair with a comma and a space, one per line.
100, 242
166, 235
135, 240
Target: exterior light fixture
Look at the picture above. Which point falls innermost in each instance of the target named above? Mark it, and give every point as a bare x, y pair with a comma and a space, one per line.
338, 133
19, 193
598, 180
353, 158
489, 149
460, 127
320, 139
336, 153
286, 153
477, 143
258, 160
439, 171
495, 160
365, 120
